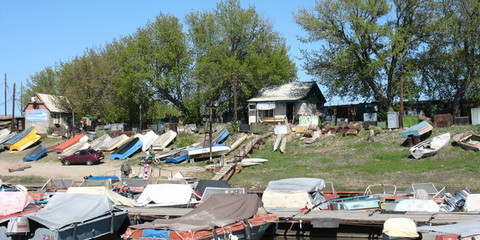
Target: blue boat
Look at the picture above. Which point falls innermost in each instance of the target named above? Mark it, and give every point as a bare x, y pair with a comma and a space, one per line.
222, 137
35, 154
179, 157
127, 149
417, 130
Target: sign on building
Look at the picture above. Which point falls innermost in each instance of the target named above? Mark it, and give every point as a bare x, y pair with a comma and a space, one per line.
36, 115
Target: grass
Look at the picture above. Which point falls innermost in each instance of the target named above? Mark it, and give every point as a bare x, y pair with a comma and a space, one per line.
352, 163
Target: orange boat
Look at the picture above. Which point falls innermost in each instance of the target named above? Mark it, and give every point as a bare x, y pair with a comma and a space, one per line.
68, 143
221, 216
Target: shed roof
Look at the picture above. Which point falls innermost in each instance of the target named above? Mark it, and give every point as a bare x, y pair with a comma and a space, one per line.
290, 92
50, 102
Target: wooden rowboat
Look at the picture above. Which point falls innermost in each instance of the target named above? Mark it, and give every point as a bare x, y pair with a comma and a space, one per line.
430, 147
468, 141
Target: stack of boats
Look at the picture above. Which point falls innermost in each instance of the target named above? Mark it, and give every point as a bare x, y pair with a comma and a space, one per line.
19, 141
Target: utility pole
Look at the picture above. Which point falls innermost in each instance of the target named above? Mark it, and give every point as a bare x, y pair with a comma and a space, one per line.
210, 133
5, 94
13, 109
140, 118
234, 89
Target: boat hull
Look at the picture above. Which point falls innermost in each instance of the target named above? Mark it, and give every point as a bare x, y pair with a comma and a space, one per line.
102, 226
430, 147
35, 154
127, 149
468, 141
258, 227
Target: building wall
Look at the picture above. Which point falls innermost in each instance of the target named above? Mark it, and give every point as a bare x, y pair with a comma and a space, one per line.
38, 116
302, 108
280, 109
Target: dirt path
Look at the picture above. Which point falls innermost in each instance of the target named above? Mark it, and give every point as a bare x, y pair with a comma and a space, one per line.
51, 168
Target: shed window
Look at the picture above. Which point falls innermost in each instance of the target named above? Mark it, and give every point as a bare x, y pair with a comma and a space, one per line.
268, 113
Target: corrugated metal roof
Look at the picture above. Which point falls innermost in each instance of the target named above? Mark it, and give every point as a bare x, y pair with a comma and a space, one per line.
50, 102
293, 91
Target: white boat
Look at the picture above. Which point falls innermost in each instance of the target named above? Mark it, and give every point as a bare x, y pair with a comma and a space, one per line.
114, 143
430, 147
99, 141
147, 140
252, 161
164, 140
203, 152
104, 143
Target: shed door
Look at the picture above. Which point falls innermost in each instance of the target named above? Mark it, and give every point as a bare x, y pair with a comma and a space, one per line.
290, 111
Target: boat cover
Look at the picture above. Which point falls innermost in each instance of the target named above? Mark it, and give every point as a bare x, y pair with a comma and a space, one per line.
116, 198
165, 194
400, 228
219, 210
313, 186
472, 203
417, 205
13, 202
272, 199
203, 184
464, 229
64, 209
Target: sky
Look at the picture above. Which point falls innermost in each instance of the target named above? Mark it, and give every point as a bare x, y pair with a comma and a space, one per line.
39, 34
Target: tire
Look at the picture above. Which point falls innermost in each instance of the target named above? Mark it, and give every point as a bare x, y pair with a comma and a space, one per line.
66, 162
89, 162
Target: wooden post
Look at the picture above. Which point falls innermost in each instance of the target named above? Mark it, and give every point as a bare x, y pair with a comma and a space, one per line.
13, 109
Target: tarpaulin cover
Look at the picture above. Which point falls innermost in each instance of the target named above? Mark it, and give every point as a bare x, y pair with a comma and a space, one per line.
219, 210
116, 198
67, 208
314, 186
272, 199
400, 228
297, 184
417, 205
203, 184
13, 202
472, 203
165, 194
464, 229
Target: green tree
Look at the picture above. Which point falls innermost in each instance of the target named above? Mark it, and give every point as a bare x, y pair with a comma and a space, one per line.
451, 63
156, 59
86, 82
366, 46
45, 81
236, 53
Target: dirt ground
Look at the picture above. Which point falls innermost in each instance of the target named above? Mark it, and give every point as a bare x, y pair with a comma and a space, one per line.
50, 167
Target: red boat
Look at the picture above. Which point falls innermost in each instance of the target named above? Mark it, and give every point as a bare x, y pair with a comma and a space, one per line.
68, 143
219, 217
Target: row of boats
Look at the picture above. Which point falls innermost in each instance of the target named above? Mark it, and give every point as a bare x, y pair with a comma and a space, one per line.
121, 147
429, 147
214, 209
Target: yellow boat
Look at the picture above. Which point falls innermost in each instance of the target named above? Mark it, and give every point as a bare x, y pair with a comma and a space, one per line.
117, 142
29, 139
